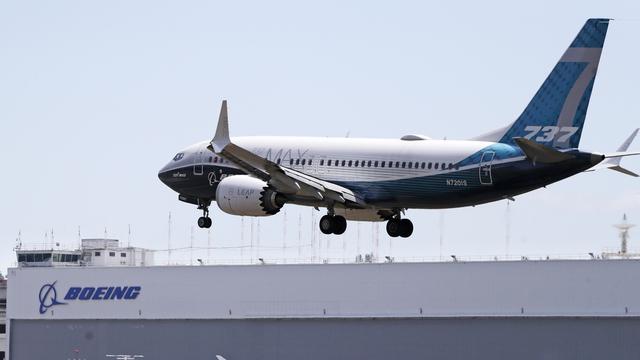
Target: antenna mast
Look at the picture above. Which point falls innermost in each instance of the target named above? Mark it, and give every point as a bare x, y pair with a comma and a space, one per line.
624, 227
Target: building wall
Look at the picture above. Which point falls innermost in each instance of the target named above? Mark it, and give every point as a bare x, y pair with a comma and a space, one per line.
523, 309
533, 288
3, 328
310, 339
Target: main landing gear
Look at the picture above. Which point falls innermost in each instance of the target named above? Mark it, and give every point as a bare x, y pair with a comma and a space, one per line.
204, 222
333, 224
399, 227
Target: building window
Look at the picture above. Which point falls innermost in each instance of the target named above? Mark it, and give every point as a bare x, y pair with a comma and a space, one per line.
112, 253
3, 328
123, 254
97, 253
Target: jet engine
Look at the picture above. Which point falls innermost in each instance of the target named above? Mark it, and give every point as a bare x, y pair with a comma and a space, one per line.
247, 196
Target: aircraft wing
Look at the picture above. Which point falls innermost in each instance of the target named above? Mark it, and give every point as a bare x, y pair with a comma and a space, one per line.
282, 179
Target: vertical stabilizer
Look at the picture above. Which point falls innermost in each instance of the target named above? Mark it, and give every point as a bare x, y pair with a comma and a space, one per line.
556, 113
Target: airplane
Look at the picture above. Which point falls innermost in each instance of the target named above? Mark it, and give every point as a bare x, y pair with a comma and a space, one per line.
380, 179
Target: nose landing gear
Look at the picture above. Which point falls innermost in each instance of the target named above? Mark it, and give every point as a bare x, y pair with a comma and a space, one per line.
204, 222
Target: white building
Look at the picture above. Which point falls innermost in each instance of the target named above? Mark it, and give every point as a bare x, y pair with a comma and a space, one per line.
3, 316
108, 252
93, 252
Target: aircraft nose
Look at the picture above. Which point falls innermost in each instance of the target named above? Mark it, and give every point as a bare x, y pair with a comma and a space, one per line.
164, 175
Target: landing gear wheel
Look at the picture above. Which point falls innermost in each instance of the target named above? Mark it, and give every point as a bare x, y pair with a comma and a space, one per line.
406, 228
204, 222
339, 225
326, 224
393, 227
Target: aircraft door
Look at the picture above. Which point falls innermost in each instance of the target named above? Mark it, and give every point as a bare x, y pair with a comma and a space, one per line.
485, 168
198, 167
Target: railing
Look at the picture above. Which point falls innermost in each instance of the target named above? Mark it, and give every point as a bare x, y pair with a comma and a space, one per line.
184, 260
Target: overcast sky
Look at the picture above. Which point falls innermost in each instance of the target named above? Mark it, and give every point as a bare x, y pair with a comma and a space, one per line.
95, 97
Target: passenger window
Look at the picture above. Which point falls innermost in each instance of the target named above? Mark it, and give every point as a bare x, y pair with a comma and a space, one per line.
210, 158
450, 165
278, 161
369, 163
356, 164
322, 162
398, 164
328, 162
344, 162
382, 164
350, 163
443, 166
435, 166
215, 159
429, 166
297, 161
304, 161
423, 165
375, 163
403, 164
310, 160
416, 165
290, 161
409, 165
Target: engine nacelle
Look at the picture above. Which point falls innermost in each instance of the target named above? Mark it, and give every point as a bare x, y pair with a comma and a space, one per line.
247, 196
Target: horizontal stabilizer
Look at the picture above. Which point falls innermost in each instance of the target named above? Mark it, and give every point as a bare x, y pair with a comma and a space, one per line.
623, 170
618, 155
612, 160
539, 153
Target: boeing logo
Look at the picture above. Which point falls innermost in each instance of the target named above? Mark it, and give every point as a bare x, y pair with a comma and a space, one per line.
48, 295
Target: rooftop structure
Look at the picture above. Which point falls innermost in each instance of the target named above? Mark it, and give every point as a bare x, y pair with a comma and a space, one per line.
92, 252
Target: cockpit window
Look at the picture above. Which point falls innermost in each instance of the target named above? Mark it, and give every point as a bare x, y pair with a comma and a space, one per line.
178, 156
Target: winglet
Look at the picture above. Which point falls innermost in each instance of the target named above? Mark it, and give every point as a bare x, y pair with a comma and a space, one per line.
221, 139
